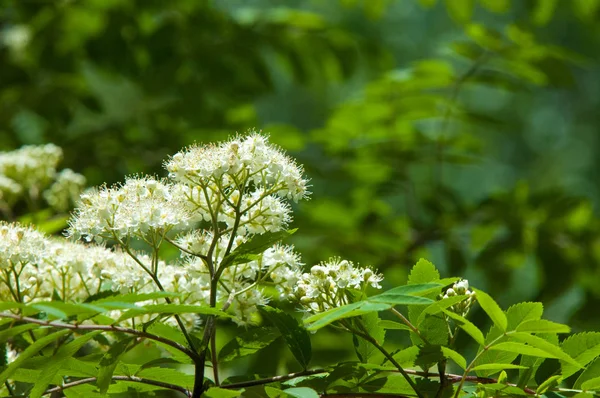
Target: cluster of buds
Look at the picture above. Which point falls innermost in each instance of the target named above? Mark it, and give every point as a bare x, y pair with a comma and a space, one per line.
329, 284
460, 288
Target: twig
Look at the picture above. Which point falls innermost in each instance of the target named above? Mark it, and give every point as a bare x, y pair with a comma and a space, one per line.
183, 249
214, 359
390, 358
258, 382
119, 378
106, 328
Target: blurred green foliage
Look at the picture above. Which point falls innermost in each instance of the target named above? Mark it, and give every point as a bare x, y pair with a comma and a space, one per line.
461, 131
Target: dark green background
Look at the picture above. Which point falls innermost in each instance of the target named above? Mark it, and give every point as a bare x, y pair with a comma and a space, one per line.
462, 131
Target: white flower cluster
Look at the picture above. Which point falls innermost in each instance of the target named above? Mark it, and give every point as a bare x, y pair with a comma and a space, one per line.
330, 283
65, 190
234, 163
31, 166
139, 207
33, 267
221, 195
278, 266
10, 190
30, 170
460, 288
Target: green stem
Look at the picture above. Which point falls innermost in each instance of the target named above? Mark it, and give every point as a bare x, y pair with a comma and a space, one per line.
390, 358
479, 354
409, 324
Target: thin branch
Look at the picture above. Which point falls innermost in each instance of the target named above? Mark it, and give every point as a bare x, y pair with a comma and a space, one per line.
183, 249
154, 277
119, 378
214, 358
106, 328
259, 382
390, 358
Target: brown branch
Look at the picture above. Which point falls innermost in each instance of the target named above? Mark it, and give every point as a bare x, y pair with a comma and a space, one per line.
106, 328
119, 378
452, 378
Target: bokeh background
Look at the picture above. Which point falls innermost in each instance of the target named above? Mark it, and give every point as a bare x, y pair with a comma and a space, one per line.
462, 131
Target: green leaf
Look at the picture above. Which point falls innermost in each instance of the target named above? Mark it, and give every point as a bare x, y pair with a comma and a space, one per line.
455, 356
591, 384
165, 309
295, 336
29, 352
534, 363
434, 330
322, 319
134, 298
523, 312
467, 326
439, 306
167, 375
414, 289
364, 349
399, 299
497, 366
583, 395
428, 356
492, 309
543, 326
109, 362
591, 372
170, 332
54, 364
301, 392
423, 272
15, 330
10, 305
546, 346
391, 325
216, 392
520, 348
62, 310
548, 384
583, 347
248, 343
407, 356
502, 390
460, 10
248, 251
516, 314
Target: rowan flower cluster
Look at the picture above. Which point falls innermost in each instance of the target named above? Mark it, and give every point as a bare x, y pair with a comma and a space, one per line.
240, 284
460, 288
31, 166
138, 208
330, 284
219, 197
31, 172
235, 163
34, 267
65, 190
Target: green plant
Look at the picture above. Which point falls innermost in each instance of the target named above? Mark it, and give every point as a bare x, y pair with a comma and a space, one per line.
82, 319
